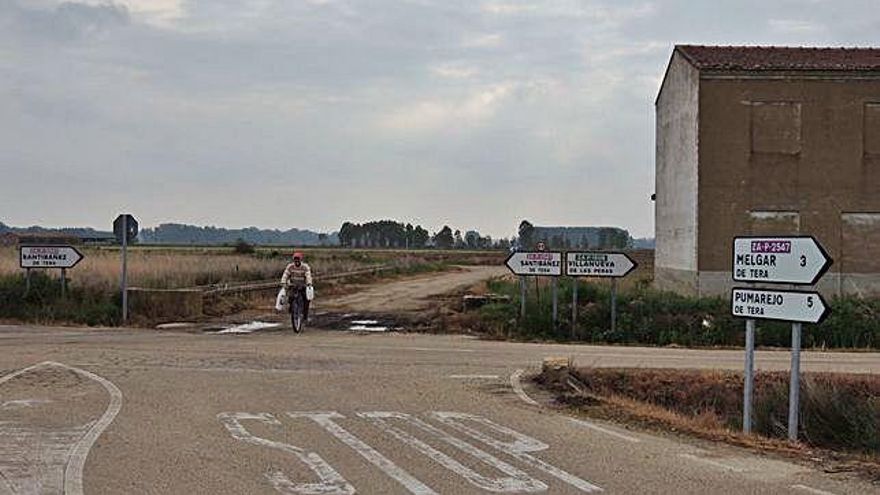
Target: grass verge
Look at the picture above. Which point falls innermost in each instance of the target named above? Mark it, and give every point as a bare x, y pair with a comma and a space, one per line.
839, 418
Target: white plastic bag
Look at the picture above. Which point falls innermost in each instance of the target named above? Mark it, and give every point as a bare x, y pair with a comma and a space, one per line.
281, 300
310, 293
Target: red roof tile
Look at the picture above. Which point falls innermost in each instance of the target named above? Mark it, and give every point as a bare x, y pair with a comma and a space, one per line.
770, 58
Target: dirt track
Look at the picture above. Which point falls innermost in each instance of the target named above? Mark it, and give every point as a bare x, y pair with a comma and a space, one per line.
411, 294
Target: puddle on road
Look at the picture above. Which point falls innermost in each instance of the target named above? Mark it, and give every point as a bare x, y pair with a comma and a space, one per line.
249, 327
358, 322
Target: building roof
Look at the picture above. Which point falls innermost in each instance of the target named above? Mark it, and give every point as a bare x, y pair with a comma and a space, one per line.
779, 58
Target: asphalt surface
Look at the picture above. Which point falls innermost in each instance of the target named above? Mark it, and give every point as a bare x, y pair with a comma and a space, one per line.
142, 411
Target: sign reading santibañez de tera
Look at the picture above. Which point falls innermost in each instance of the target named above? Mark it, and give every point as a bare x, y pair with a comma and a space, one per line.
49, 256
789, 260
598, 264
541, 263
802, 307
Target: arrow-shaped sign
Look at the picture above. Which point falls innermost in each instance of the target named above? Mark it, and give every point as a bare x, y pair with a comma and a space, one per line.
541, 263
598, 264
49, 256
804, 307
784, 260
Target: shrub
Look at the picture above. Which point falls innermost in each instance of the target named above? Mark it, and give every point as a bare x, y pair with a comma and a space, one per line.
243, 247
649, 317
44, 303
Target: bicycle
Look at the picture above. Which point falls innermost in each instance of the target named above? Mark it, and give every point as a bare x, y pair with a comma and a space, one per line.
297, 309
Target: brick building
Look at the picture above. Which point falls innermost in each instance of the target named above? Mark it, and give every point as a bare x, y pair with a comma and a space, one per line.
767, 140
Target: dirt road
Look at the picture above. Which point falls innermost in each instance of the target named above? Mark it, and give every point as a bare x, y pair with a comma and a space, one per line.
411, 294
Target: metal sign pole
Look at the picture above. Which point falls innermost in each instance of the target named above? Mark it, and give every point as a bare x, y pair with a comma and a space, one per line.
794, 389
27, 281
613, 304
555, 301
574, 307
748, 388
125, 269
522, 297
63, 283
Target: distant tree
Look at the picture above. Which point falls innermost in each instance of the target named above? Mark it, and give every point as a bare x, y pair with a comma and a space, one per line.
444, 239
420, 237
472, 239
526, 234
459, 242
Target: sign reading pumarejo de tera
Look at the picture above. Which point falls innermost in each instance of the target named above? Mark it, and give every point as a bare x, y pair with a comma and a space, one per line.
598, 264
49, 256
541, 263
786, 260
784, 305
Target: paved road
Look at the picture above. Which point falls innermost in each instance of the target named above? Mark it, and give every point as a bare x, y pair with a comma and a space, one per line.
133, 411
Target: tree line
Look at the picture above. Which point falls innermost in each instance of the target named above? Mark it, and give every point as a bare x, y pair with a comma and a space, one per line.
393, 234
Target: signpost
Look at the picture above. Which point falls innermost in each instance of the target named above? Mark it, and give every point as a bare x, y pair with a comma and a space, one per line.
795, 260
125, 228
535, 263
779, 260
598, 264
48, 256
782, 305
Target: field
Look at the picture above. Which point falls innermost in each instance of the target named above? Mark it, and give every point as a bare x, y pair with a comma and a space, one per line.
93, 297
178, 267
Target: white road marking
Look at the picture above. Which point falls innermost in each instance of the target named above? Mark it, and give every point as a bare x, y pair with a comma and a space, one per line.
474, 377
332, 483
600, 429
516, 480
711, 462
518, 390
21, 403
325, 420
812, 490
57, 443
519, 448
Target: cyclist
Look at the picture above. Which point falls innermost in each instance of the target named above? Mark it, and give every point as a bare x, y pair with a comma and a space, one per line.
297, 276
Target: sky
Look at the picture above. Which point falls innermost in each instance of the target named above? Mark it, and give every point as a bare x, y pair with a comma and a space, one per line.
308, 113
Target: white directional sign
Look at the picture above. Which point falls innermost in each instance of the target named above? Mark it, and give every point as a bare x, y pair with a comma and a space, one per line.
49, 257
784, 260
541, 263
803, 307
598, 264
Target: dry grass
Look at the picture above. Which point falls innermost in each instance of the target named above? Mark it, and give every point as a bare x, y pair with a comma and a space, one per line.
187, 267
840, 413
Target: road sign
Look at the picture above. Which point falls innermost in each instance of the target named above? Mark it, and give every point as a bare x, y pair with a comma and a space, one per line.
598, 264
784, 260
784, 305
49, 256
122, 223
547, 264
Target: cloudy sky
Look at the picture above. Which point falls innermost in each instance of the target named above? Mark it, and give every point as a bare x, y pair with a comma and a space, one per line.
283, 113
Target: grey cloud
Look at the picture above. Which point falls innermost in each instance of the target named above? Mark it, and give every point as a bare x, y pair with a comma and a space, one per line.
544, 112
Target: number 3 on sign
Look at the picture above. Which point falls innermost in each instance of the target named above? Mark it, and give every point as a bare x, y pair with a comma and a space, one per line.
803, 260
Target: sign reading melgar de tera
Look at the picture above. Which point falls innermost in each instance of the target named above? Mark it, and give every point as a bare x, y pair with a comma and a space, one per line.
542, 263
804, 307
789, 260
598, 264
49, 257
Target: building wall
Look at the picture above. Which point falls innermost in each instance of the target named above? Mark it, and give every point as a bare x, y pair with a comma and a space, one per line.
791, 155
675, 219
